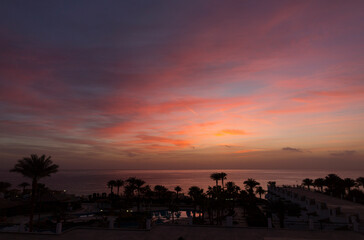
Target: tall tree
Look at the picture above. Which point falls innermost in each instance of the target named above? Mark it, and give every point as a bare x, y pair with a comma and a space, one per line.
360, 181
119, 183
160, 190
35, 168
111, 184
260, 191
178, 189
222, 176
334, 184
307, 182
250, 184
348, 184
319, 183
196, 194
215, 177
136, 184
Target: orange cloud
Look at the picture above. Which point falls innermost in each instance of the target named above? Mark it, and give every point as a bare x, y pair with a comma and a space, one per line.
247, 151
231, 132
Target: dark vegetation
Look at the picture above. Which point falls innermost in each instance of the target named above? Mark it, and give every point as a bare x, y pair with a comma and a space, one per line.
332, 184
131, 201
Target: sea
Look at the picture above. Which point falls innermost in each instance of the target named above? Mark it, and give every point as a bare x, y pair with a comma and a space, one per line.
85, 182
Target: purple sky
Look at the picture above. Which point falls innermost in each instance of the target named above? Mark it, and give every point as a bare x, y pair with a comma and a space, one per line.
183, 84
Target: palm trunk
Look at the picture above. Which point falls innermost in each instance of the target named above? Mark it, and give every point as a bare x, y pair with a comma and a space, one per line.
217, 184
34, 189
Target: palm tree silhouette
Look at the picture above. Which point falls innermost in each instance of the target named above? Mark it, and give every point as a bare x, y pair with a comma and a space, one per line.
307, 182
250, 184
23, 185
222, 177
319, 183
119, 183
360, 181
111, 184
215, 177
260, 191
35, 167
349, 183
333, 183
196, 194
160, 190
177, 189
136, 184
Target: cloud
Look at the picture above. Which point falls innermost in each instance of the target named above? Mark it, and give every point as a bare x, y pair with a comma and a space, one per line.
346, 153
156, 139
231, 132
292, 149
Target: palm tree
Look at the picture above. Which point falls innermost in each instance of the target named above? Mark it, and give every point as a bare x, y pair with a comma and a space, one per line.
119, 183
111, 184
232, 188
232, 192
177, 189
319, 183
360, 181
196, 194
250, 184
4, 186
222, 177
260, 191
349, 183
215, 177
307, 182
334, 184
23, 185
160, 190
136, 184
35, 167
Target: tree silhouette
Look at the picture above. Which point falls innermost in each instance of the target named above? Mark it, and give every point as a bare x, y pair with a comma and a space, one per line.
250, 184
111, 184
135, 184
222, 176
35, 168
119, 183
360, 181
215, 177
319, 183
160, 190
260, 191
348, 184
334, 184
196, 194
177, 189
307, 182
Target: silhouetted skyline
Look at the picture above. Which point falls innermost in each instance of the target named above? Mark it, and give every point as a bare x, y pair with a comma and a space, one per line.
183, 84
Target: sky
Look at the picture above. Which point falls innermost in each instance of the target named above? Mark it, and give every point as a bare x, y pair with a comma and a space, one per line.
183, 84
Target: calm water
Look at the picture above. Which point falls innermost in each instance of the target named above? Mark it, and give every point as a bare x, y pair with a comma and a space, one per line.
86, 182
